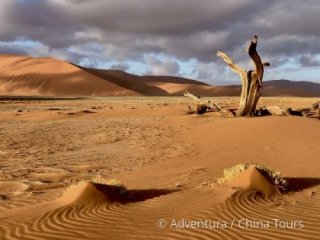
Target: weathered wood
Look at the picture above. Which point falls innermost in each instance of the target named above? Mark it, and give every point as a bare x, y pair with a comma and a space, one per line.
311, 112
315, 105
202, 105
263, 111
277, 111
226, 113
316, 108
190, 110
190, 95
251, 80
202, 109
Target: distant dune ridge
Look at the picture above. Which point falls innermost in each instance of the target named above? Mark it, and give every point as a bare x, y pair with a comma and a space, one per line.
28, 76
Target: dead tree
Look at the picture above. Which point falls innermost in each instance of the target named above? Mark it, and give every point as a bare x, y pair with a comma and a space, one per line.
251, 80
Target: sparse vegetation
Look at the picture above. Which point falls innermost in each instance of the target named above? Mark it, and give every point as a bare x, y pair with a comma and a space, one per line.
273, 176
116, 184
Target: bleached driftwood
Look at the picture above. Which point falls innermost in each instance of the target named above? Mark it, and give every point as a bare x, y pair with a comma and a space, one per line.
202, 105
251, 80
315, 109
310, 112
316, 105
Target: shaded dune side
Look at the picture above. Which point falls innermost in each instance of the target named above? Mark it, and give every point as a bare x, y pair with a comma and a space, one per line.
159, 85
127, 81
27, 76
21, 75
175, 89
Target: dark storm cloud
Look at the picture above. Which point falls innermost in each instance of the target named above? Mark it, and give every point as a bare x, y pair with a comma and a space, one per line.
124, 30
12, 50
165, 17
309, 61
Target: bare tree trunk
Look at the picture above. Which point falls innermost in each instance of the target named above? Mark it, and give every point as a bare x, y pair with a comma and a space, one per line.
251, 80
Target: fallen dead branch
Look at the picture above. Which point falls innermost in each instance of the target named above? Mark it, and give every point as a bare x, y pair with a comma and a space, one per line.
312, 112
203, 106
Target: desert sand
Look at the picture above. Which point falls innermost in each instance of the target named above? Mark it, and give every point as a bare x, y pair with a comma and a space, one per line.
29, 76
140, 168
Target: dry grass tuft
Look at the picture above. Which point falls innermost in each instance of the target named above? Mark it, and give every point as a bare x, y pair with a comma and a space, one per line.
273, 176
99, 180
116, 184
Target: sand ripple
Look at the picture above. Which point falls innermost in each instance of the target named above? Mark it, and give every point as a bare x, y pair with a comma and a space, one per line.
137, 219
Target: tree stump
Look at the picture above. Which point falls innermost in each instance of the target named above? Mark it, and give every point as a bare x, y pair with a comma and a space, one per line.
251, 80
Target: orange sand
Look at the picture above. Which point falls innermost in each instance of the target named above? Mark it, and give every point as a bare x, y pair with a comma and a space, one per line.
169, 163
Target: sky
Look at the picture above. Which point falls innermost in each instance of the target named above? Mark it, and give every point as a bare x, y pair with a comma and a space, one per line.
168, 37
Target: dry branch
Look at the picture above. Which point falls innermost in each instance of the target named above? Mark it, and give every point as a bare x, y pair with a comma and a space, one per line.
316, 105
234, 67
187, 94
202, 105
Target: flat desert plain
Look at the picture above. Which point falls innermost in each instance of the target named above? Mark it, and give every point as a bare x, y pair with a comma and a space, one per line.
141, 168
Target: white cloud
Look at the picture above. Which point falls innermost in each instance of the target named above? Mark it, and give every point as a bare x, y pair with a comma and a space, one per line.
161, 67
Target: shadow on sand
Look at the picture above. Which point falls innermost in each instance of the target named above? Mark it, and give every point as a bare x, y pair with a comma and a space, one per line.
131, 195
299, 184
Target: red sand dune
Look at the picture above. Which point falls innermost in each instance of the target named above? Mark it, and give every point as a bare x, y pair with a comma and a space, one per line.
27, 76
20, 75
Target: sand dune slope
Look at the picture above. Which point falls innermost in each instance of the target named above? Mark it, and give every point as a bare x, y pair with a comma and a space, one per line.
160, 85
27, 76
21, 75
